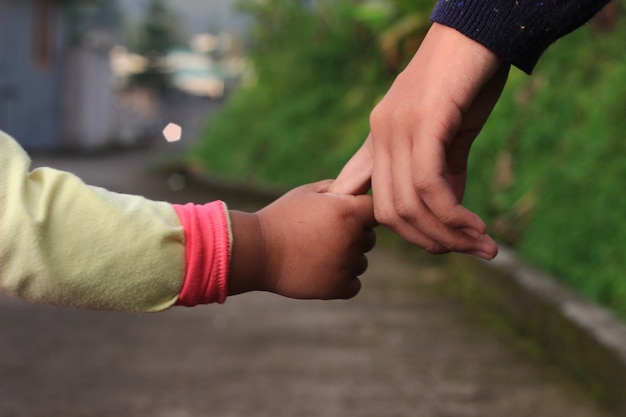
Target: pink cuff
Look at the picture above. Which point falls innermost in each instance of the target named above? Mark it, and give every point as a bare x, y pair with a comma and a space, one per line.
207, 253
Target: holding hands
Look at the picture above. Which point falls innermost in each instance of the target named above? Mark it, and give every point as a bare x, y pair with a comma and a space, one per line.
311, 244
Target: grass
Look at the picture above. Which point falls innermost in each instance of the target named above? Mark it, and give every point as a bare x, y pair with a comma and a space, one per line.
558, 140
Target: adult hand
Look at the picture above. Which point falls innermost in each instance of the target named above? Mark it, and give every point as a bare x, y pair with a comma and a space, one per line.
421, 134
306, 245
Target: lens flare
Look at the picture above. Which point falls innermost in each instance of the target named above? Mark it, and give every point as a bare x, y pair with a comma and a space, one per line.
173, 132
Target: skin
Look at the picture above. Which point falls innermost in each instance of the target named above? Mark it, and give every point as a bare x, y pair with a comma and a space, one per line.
415, 158
308, 244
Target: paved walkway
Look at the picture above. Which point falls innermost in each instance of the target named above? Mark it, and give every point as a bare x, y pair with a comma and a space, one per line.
402, 348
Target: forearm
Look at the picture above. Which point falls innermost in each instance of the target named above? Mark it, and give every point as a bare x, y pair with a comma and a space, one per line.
517, 31
65, 243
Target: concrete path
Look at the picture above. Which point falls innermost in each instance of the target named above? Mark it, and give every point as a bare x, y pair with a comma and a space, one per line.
403, 347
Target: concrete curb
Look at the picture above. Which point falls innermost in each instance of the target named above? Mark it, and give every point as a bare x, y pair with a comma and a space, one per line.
585, 340
196, 175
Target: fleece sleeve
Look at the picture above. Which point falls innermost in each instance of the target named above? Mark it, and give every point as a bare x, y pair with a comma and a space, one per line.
65, 243
518, 31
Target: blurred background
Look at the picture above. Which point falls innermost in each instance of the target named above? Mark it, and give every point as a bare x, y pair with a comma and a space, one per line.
276, 93
97, 74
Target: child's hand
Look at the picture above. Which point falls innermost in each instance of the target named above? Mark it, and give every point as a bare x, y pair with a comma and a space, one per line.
305, 245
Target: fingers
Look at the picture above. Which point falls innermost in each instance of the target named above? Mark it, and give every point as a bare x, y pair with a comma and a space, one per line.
422, 208
436, 238
368, 241
428, 167
352, 288
446, 230
354, 178
362, 205
353, 284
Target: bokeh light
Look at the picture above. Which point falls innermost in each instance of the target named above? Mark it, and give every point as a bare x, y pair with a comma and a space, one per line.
173, 132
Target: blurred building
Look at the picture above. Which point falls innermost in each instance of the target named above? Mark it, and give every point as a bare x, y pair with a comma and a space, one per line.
56, 84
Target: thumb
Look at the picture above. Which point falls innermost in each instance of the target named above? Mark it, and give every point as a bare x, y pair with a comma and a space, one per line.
355, 177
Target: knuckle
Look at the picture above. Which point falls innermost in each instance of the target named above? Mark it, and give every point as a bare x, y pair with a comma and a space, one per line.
435, 248
377, 115
447, 218
422, 184
447, 246
384, 117
383, 216
405, 210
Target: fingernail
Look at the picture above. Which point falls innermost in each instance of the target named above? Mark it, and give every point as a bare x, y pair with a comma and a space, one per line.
483, 255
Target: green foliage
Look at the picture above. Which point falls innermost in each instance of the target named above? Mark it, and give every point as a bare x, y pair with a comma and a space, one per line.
548, 170
319, 72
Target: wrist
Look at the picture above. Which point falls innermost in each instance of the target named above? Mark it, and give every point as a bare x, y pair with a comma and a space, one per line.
460, 47
501, 29
248, 259
455, 66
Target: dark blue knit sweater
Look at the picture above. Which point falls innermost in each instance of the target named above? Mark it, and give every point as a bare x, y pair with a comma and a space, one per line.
518, 31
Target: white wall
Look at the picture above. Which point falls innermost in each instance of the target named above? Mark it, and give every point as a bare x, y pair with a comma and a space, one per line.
88, 98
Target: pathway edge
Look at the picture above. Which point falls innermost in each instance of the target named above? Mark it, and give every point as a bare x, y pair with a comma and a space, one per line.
586, 340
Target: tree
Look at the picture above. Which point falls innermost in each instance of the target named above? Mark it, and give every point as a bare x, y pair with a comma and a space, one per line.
158, 34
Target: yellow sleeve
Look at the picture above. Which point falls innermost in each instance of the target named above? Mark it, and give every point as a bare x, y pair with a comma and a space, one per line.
65, 243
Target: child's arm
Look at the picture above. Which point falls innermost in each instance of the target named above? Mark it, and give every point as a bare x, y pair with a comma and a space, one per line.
65, 243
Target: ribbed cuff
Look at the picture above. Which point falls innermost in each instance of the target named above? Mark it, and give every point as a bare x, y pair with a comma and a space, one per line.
207, 253
518, 31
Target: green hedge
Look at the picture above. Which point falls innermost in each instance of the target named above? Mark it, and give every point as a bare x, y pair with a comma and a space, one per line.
549, 169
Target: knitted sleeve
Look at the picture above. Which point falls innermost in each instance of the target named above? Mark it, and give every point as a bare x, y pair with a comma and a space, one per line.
518, 31
65, 243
